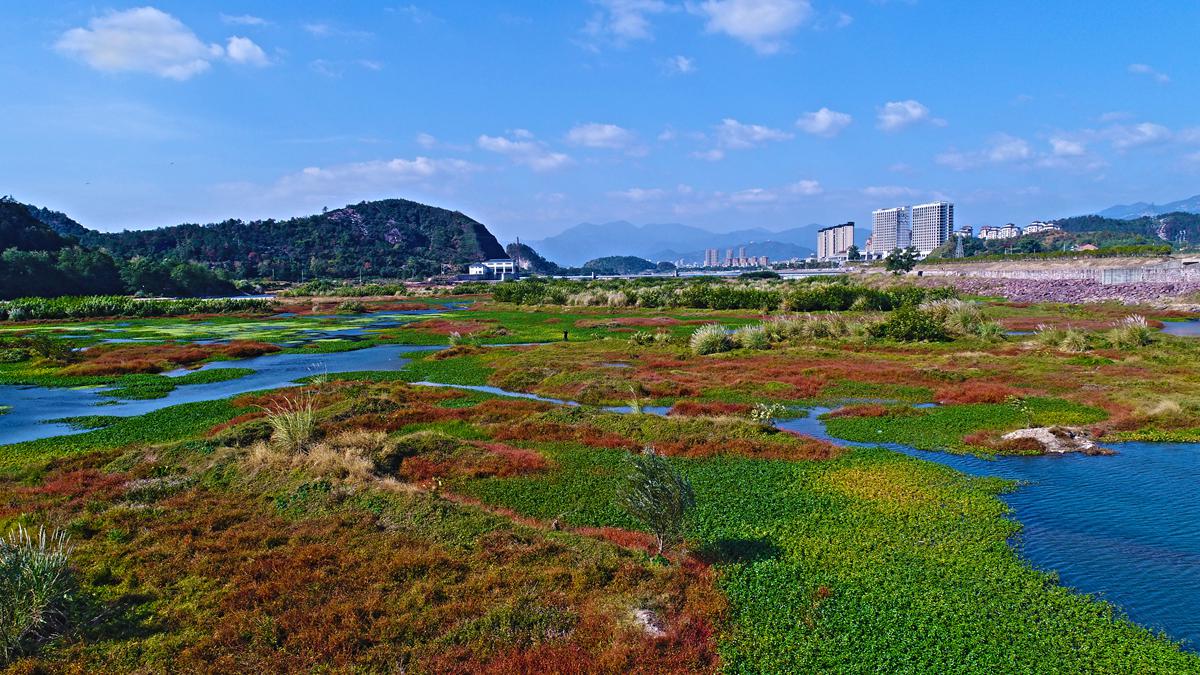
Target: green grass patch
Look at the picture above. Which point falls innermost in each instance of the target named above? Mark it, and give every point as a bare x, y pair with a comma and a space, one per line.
943, 428
87, 422
140, 387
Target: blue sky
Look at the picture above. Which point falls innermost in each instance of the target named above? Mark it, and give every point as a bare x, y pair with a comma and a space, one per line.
533, 116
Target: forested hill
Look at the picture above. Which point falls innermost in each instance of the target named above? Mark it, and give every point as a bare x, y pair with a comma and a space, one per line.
20, 230
389, 238
1174, 227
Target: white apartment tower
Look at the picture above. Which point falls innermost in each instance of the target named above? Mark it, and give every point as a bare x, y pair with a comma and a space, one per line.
835, 241
890, 230
931, 225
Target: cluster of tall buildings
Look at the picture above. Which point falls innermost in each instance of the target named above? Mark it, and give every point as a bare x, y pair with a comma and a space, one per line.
711, 259
924, 226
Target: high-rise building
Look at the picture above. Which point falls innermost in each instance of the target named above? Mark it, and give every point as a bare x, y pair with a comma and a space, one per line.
890, 230
729, 262
835, 241
710, 257
932, 224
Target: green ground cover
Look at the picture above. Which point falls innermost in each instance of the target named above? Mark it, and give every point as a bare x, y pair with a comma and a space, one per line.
873, 562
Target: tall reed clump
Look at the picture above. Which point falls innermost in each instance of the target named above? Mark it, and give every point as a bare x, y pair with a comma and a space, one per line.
1066, 339
752, 337
293, 423
1074, 341
36, 584
710, 339
1131, 333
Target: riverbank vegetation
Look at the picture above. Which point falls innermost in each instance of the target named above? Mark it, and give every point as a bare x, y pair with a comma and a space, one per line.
363, 521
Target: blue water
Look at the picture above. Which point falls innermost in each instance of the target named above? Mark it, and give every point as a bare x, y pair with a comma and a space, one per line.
1124, 527
1182, 328
32, 406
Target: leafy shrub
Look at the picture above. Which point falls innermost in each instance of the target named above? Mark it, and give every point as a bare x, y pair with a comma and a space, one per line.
909, 324
89, 306
35, 589
351, 307
14, 355
658, 496
765, 414
710, 339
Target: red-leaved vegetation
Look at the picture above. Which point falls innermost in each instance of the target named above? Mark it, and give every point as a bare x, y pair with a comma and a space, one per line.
126, 359
975, 391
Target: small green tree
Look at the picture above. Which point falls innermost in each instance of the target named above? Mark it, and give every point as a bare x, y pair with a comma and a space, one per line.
656, 494
852, 253
900, 261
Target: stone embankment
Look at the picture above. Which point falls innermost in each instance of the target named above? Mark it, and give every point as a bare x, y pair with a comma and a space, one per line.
1160, 281
1176, 295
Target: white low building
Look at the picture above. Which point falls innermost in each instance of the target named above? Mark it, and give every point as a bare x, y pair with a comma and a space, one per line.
496, 268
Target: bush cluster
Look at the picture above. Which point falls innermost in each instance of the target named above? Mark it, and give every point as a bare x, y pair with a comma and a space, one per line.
814, 294
88, 306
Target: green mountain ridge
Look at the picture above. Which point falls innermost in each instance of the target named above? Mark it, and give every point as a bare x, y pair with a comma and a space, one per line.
386, 238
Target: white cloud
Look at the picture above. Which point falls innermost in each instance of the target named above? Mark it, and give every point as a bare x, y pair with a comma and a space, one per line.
896, 115
1147, 71
640, 194
732, 134
889, 191
344, 183
679, 65
824, 122
337, 69
753, 196
595, 135
243, 50
143, 40
1128, 136
1065, 147
379, 172
713, 155
415, 14
244, 20
426, 140
762, 24
623, 21
1001, 149
526, 152
805, 187
325, 30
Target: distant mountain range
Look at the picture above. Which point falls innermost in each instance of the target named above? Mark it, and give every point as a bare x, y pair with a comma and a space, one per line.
673, 241
1140, 209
